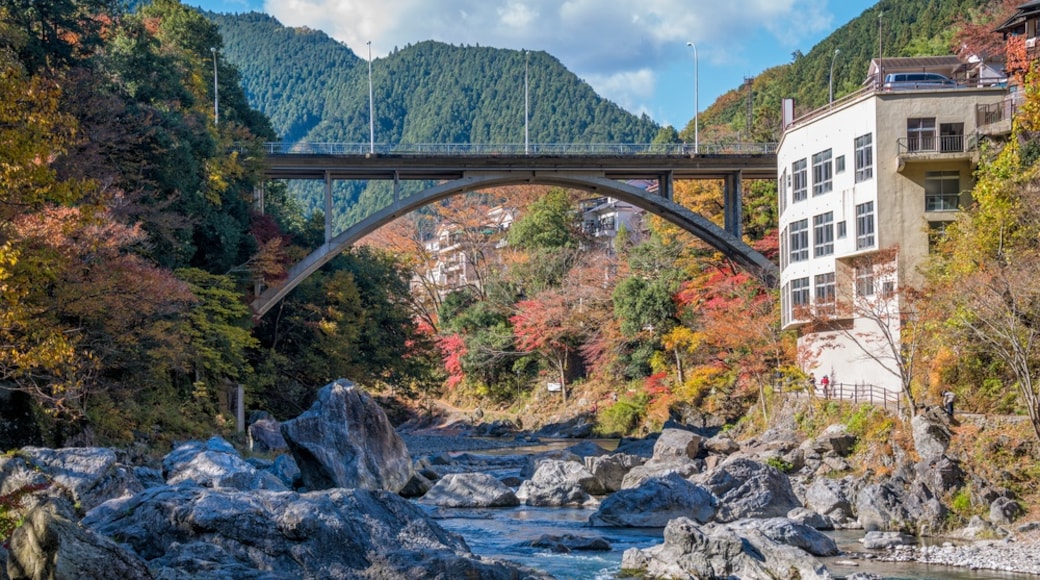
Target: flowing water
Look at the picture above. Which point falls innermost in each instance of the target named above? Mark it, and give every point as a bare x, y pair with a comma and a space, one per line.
506, 533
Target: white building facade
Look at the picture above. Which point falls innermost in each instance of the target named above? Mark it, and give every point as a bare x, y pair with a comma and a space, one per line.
863, 186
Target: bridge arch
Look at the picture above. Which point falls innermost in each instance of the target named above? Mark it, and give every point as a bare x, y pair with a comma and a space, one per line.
728, 244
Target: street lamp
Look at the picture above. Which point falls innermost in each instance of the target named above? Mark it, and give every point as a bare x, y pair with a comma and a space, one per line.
371, 105
216, 98
696, 102
527, 103
830, 82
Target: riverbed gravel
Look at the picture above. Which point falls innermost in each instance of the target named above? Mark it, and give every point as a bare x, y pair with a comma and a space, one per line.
1019, 553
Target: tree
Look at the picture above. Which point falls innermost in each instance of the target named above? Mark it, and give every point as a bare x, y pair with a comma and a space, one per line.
545, 326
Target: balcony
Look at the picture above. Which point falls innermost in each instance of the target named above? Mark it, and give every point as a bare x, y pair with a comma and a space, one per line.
923, 148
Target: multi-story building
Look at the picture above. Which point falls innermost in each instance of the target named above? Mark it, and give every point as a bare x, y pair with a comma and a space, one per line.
863, 185
603, 217
458, 255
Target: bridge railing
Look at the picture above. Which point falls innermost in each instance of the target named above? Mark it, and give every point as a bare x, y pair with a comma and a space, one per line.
516, 149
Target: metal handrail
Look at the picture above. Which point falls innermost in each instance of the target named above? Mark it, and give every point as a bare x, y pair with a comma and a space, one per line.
536, 149
862, 393
931, 144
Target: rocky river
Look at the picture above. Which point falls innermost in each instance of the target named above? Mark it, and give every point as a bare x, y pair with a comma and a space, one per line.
348, 496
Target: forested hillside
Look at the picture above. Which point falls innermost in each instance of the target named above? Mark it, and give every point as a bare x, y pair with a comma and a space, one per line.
316, 89
908, 28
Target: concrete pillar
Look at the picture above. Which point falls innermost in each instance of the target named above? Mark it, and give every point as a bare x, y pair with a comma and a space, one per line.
732, 207
328, 207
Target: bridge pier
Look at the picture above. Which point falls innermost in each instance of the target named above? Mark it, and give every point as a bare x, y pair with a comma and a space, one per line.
733, 213
328, 206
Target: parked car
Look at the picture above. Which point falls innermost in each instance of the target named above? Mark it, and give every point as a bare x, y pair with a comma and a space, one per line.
918, 81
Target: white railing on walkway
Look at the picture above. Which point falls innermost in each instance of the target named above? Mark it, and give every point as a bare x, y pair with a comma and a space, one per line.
542, 149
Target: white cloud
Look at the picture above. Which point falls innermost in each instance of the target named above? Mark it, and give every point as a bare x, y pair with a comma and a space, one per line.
614, 44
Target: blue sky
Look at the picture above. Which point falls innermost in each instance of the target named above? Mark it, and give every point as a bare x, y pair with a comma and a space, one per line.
633, 52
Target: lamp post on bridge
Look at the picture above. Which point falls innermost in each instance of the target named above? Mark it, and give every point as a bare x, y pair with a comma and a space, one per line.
216, 97
371, 105
527, 103
696, 101
830, 81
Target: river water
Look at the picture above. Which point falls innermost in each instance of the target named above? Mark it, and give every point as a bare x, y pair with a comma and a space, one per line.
505, 533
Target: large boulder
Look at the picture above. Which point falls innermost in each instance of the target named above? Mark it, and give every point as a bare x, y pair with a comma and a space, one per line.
345, 440
749, 489
834, 440
216, 463
470, 490
691, 550
51, 545
654, 503
931, 433
827, 497
89, 475
790, 533
265, 436
675, 444
611, 470
882, 507
560, 483
653, 468
209, 534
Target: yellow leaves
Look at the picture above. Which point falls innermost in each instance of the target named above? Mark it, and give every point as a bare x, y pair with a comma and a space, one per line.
684, 338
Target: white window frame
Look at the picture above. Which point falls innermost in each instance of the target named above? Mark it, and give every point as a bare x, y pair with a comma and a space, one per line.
800, 179
942, 200
823, 172
823, 234
799, 240
865, 228
864, 157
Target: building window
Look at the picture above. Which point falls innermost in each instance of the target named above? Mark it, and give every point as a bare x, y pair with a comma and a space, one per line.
839, 164
942, 190
920, 134
825, 293
865, 225
799, 241
864, 157
799, 293
783, 249
799, 190
782, 187
843, 230
865, 281
823, 234
821, 172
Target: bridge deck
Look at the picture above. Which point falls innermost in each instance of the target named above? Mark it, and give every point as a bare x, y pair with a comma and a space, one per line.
447, 167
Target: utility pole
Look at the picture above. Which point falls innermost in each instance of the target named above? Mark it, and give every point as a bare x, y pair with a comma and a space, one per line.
371, 106
216, 94
527, 104
750, 94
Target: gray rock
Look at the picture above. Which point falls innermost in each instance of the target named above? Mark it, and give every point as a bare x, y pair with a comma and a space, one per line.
570, 543
417, 486
749, 489
3, 562
265, 436
610, 470
931, 435
90, 475
286, 470
1004, 511
149, 476
345, 440
941, 474
675, 444
533, 461
587, 449
691, 550
210, 534
472, 490
826, 497
654, 503
216, 463
560, 483
49, 544
864, 576
875, 540
721, 445
658, 468
882, 507
810, 518
834, 440
640, 447
785, 531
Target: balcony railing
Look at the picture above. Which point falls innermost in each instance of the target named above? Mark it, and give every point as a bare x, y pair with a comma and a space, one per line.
931, 144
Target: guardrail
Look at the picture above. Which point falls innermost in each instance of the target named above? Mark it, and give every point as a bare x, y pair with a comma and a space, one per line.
931, 144
861, 393
518, 149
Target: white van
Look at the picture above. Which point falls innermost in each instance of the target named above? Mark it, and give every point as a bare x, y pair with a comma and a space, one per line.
917, 81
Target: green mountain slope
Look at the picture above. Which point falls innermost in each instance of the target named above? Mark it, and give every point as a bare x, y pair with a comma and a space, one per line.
316, 89
908, 28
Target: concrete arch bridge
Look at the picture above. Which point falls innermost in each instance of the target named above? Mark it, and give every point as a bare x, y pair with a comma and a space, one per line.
601, 170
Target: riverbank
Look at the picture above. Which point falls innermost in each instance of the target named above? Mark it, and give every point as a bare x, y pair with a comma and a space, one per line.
1019, 553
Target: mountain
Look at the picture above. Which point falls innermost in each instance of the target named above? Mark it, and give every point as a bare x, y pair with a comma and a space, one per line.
315, 88
908, 28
